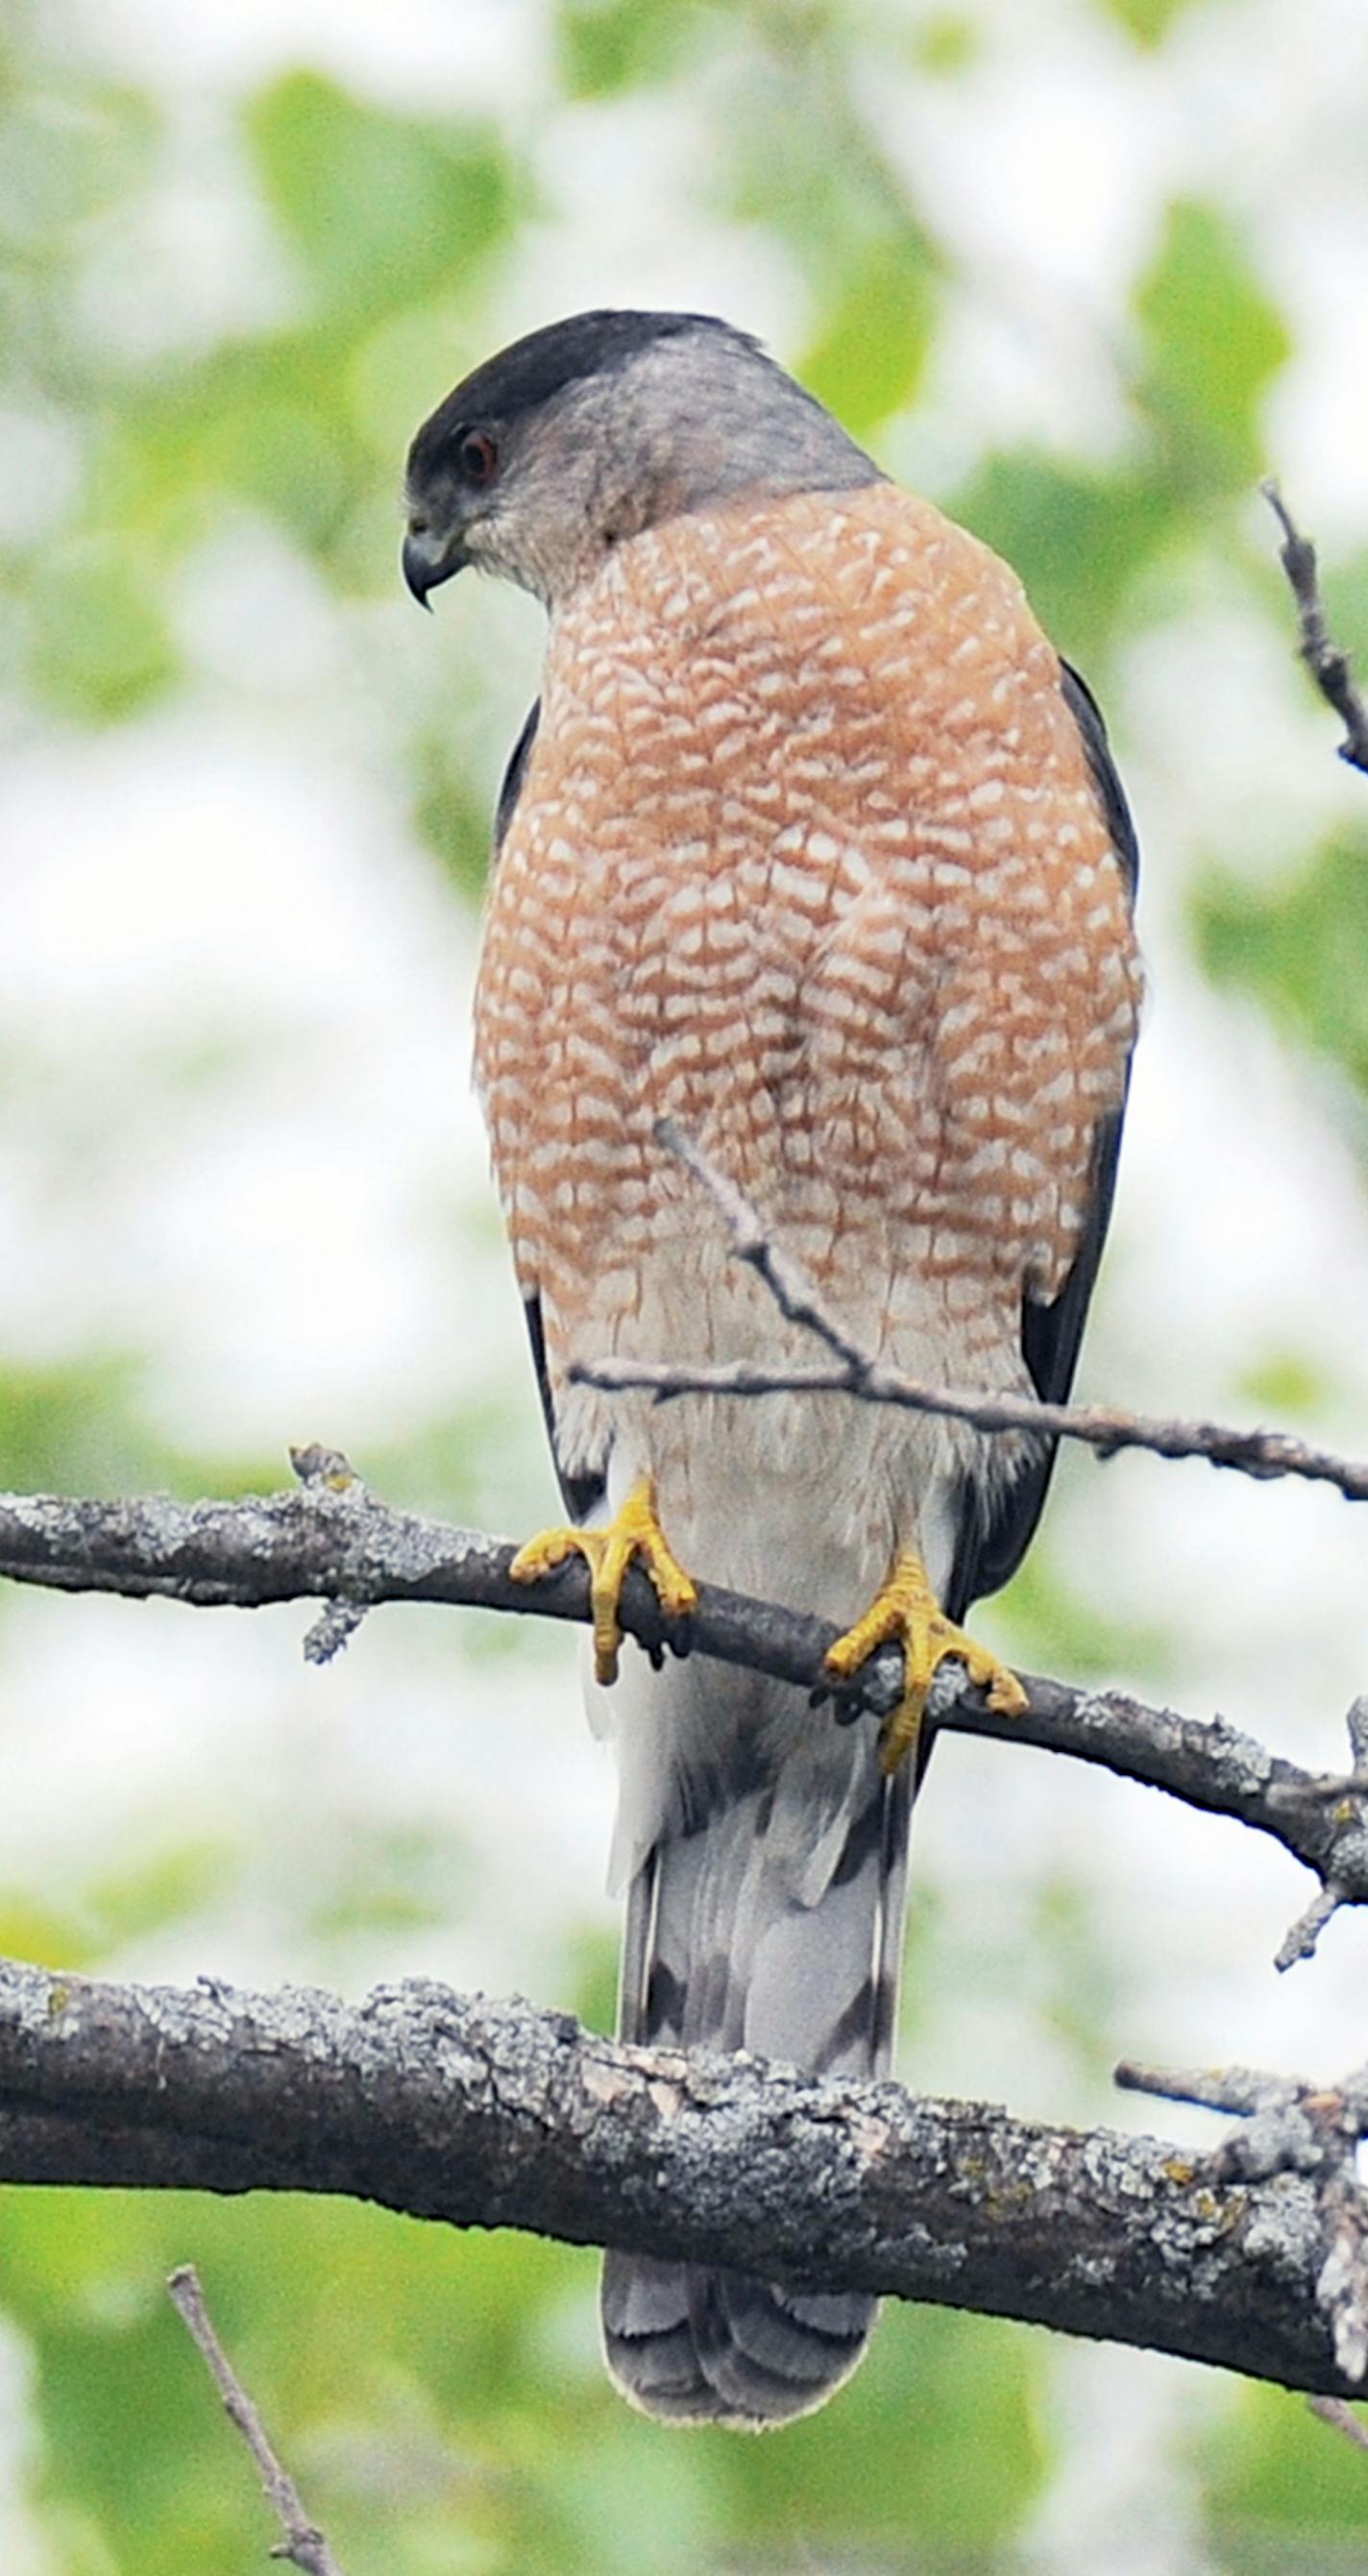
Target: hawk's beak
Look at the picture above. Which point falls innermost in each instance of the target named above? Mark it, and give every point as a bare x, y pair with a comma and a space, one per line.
429, 558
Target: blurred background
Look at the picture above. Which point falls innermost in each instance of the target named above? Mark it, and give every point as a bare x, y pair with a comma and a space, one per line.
1081, 270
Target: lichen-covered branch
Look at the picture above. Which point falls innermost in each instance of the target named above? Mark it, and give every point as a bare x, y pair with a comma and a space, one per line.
332, 1540
496, 2115
1295, 2127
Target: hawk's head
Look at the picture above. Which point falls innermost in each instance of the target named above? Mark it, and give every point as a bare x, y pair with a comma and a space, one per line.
596, 428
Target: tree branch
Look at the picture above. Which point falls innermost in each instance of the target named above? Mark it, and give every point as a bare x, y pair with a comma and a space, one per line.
490, 2115
303, 2543
1104, 1427
1293, 2127
332, 1540
861, 1373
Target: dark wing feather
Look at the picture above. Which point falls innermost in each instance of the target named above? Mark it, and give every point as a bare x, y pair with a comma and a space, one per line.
515, 773
583, 1494
991, 1549
1087, 715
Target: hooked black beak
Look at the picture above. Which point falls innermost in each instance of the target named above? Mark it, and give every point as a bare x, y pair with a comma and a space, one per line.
429, 559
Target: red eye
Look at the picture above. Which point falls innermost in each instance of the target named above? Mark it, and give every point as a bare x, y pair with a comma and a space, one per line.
478, 457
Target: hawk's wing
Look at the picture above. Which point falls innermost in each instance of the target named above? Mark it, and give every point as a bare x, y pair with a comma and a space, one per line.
515, 773
990, 1551
582, 1494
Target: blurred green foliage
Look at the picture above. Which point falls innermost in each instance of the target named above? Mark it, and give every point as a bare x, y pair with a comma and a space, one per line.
605, 47
440, 2395
1286, 2493
382, 210
1213, 341
1300, 947
1149, 21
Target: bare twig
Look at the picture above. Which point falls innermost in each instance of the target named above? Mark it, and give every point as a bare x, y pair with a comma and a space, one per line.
1329, 667
1333, 2411
1262, 1454
303, 2544
1350, 1801
318, 1542
858, 1372
329, 1471
1295, 2127
481, 2114
795, 1294
1300, 1940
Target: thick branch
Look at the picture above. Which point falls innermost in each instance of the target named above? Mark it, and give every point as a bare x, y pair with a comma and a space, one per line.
494, 2115
333, 1541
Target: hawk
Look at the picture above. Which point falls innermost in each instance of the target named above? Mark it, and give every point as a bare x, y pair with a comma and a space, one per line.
812, 845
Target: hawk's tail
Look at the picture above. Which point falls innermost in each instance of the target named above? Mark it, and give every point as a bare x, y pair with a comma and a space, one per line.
769, 1919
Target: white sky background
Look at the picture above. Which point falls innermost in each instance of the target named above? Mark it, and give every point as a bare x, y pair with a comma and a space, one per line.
301, 1239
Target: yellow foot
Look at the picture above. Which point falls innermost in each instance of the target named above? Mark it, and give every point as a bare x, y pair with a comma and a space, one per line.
907, 1609
635, 1535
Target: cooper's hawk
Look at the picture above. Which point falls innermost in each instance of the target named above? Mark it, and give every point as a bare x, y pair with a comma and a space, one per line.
814, 846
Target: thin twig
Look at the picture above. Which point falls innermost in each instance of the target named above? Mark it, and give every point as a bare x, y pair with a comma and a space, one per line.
858, 1372
1329, 667
1249, 2093
1301, 1938
1333, 2411
1262, 1454
794, 1292
303, 2545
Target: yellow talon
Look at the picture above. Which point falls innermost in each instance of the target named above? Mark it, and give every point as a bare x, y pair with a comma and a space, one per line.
635, 1536
907, 1609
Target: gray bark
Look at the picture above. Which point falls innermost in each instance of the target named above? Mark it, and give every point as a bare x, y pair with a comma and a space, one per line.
494, 2114
333, 1541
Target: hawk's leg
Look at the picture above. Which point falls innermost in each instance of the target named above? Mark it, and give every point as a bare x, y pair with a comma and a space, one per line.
907, 1609
635, 1536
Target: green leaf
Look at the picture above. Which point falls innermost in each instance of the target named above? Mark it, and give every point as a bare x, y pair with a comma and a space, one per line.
1301, 948
1077, 535
796, 155
1056, 1628
99, 647
1213, 341
606, 46
935, 2443
160, 1889
32, 1930
382, 209
1281, 2486
1291, 1383
873, 346
455, 824
67, 158
74, 1429
591, 1979
1148, 21
383, 1878
947, 45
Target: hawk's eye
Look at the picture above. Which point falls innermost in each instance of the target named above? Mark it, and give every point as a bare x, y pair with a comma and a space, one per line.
477, 457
